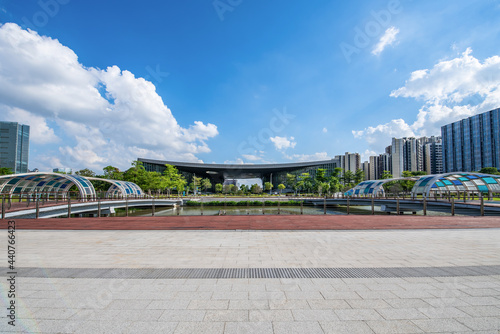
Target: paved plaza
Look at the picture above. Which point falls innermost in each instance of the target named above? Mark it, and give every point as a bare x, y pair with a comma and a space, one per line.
440, 298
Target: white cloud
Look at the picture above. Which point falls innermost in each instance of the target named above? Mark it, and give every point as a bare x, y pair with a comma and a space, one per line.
388, 38
251, 157
451, 90
365, 156
113, 116
40, 132
282, 143
308, 157
325, 130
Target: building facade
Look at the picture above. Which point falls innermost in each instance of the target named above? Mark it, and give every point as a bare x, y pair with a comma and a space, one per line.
14, 146
472, 143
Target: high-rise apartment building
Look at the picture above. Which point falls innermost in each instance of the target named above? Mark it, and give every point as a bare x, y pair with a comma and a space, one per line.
14, 146
472, 143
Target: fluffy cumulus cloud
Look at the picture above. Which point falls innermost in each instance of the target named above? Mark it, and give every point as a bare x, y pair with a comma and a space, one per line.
282, 143
112, 116
308, 157
389, 38
451, 90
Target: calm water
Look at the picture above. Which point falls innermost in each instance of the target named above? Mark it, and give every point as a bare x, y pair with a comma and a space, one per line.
243, 210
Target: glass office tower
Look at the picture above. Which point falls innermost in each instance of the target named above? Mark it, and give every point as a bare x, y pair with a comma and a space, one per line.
472, 143
14, 146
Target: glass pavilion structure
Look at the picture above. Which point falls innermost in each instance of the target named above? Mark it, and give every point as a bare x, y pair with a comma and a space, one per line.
429, 185
457, 182
60, 184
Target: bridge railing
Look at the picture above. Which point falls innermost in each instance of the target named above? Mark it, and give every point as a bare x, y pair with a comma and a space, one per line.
399, 203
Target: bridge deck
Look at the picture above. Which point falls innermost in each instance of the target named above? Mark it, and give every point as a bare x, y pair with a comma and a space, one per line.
268, 222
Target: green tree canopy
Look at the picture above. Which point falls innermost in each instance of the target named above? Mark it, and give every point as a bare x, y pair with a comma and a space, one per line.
86, 172
489, 170
6, 171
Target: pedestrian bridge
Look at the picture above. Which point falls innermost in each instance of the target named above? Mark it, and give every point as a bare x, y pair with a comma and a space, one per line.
96, 208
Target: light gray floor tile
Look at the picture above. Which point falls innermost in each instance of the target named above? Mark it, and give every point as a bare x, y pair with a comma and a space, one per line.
249, 327
440, 325
199, 328
393, 326
347, 327
289, 327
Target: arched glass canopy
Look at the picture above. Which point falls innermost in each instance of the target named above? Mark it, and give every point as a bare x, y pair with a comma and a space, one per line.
118, 188
374, 187
457, 182
56, 183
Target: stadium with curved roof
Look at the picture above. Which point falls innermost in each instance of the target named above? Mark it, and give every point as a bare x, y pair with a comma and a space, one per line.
60, 184
274, 173
375, 187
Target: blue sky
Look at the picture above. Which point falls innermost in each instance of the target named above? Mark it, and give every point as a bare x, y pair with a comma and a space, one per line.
217, 74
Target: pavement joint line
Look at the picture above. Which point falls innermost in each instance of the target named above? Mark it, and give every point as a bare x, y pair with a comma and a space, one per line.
228, 273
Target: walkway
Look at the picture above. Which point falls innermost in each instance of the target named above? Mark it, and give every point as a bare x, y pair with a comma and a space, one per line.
375, 281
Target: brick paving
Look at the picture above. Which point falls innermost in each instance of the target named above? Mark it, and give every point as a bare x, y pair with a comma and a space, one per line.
264, 222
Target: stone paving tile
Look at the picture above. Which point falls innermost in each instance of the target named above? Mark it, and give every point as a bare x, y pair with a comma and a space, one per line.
314, 315
230, 295
482, 292
347, 327
407, 303
290, 304
299, 327
443, 312
119, 315
53, 313
147, 327
175, 304
378, 294
271, 315
401, 313
124, 304
481, 311
341, 294
393, 326
368, 303
328, 304
226, 315
282, 287
264, 327
481, 323
483, 301
208, 305
358, 314
303, 295
182, 315
199, 328
444, 302
440, 325
255, 304
266, 295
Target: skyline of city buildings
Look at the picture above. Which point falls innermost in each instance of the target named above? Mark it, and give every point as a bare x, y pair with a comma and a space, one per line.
14, 146
466, 145
472, 143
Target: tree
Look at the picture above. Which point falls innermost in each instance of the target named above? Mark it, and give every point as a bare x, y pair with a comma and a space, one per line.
281, 187
173, 179
291, 182
268, 186
334, 184
136, 174
386, 175
348, 177
85, 172
320, 175
359, 176
256, 189
244, 188
489, 170
112, 173
206, 184
218, 188
337, 172
6, 171
195, 184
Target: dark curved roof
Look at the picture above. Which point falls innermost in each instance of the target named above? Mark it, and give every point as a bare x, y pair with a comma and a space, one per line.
242, 168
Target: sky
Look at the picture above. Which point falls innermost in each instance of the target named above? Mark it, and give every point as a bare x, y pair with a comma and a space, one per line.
237, 81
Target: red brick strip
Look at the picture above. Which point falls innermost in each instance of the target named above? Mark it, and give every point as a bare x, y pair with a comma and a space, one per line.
268, 222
